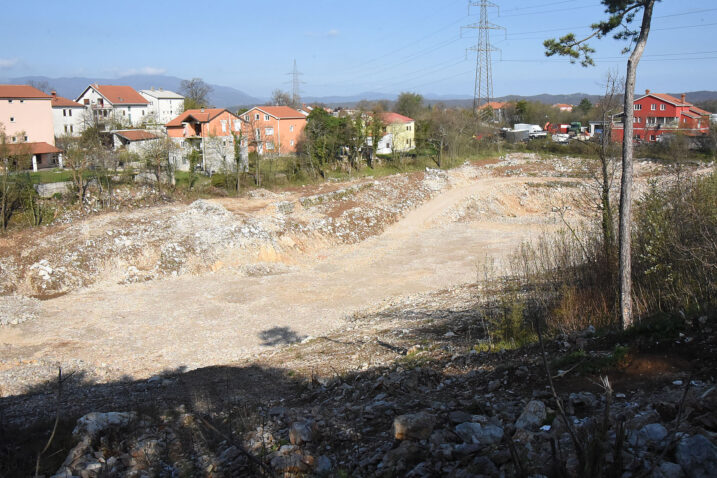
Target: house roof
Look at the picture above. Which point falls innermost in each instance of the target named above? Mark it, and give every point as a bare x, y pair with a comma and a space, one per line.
496, 105
666, 98
31, 148
119, 94
203, 115
689, 114
59, 102
161, 93
280, 112
563, 105
21, 91
391, 118
699, 111
135, 134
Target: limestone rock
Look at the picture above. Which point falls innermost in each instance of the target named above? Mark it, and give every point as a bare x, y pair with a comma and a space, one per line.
484, 435
533, 415
414, 426
697, 457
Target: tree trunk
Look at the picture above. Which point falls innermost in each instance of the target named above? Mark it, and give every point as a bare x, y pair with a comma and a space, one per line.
625, 264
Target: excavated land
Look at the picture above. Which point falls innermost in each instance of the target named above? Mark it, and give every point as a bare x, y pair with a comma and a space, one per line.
330, 331
179, 287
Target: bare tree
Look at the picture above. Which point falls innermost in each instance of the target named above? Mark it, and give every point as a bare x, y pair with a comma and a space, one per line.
41, 85
196, 93
282, 98
158, 155
622, 14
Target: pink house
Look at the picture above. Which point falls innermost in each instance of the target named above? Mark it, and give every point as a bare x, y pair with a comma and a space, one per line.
26, 117
210, 131
274, 129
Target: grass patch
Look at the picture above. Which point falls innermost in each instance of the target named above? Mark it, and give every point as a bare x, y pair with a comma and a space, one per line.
588, 364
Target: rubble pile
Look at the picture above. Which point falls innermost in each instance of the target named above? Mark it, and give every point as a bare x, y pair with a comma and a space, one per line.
437, 412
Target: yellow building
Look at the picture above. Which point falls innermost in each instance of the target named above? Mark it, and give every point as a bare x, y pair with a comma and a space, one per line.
400, 134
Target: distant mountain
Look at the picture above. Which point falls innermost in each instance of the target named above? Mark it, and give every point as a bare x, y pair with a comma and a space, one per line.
72, 87
228, 97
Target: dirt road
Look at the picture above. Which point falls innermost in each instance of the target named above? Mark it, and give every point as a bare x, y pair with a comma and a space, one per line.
141, 329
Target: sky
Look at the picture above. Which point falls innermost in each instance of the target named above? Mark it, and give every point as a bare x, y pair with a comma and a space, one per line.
345, 48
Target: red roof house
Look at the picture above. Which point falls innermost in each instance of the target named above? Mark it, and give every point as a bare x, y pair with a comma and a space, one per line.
659, 113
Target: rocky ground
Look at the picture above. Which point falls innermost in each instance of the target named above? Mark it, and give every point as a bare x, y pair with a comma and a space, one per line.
402, 388
404, 394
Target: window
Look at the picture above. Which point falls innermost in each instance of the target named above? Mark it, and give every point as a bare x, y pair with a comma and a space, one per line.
12, 119
124, 113
224, 126
292, 142
22, 101
64, 112
65, 128
257, 134
87, 102
266, 117
291, 128
663, 107
237, 125
637, 119
269, 145
9, 101
25, 138
72, 129
653, 107
638, 107
652, 137
256, 117
268, 131
69, 112
14, 139
142, 112
651, 120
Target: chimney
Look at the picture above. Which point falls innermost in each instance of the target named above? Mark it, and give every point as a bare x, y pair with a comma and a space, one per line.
647, 92
684, 98
53, 94
202, 109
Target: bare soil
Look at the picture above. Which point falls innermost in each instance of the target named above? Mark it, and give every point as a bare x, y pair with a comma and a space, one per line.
186, 286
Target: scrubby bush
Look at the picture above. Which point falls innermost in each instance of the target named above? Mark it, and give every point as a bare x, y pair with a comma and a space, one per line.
569, 279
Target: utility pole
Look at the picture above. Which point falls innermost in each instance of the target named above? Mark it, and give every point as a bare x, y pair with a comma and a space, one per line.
295, 84
483, 89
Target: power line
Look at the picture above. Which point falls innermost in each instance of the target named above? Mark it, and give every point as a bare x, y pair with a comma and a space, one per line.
483, 87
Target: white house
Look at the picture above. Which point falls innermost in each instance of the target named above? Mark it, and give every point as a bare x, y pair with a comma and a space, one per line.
119, 104
164, 105
67, 116
133, 140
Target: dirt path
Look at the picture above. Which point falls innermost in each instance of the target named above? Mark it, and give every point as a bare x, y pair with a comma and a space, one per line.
142, 329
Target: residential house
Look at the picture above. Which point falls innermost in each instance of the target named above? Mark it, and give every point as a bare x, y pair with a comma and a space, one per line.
273, 129
659, 113
164, 105
564, 107
67, 116
498, 109
210, 131
399, 134
115, 104
26, 119
133, 140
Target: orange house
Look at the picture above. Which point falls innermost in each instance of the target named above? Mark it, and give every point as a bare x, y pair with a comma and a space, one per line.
210, 131
274, 129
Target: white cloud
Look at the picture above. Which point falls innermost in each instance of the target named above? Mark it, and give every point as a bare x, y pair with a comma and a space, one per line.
147, 70
7, 63
329, 34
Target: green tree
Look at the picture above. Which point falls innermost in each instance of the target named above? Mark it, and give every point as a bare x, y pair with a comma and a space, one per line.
621, 14
585, 106
409, 104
